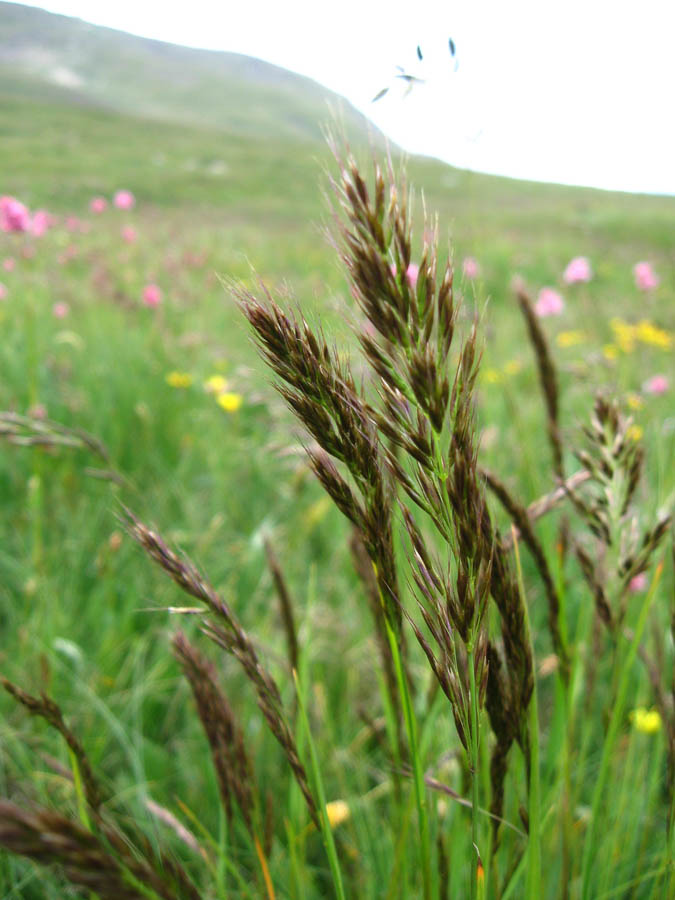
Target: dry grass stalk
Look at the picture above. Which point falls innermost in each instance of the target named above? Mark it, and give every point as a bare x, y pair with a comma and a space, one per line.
285, 603
547, 376
545, 504
231, 637
164, 815
520, 518
103, 864
226, 739
30, 431
615, 461
50, 839
45, 708
117, 837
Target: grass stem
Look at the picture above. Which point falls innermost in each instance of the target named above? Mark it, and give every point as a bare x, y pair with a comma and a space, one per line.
534, 886
418, 772
618, 709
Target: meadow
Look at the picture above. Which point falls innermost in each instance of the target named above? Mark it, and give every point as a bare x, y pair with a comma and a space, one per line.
121, 321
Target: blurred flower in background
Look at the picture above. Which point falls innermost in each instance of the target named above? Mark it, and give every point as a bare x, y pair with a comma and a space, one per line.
657, 384
646, 278
14, 216
152, 295
578, 271
470, 267
124, 200
549, 303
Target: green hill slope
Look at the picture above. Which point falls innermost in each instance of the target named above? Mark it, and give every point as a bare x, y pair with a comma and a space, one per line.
88, 64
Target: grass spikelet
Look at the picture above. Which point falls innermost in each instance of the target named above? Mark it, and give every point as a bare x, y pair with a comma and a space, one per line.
547, 375
228, 748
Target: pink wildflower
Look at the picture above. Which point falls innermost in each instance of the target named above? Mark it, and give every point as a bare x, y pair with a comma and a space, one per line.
470, 268
60, 310
638, 583
72, 223
549, 303
124, 200
3, 291
41, 222
152, 295
657, 384
14, 216
98, 205
129, 234
28, 251
412, 274
646, 278
578, 270
9, 264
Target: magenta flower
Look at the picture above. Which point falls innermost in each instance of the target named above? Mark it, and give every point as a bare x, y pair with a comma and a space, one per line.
9, 264
124, 200
578, 270
549, 303
14, 216
152, 295
638, 583
129, 234
60, 310
412, 273
657, 385
98, 205
3, 291
41, 222
646, 278
470, 268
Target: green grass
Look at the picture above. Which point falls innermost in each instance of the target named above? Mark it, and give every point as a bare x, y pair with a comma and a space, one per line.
79, 609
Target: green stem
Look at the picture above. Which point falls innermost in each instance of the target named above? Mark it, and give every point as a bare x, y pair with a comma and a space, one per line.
326, 830
534, 887
418, 773
477, 865
589, 854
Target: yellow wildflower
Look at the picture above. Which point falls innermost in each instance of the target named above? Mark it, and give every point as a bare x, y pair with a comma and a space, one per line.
624, 334
229, 402
635, 401
570, 338
652, 334
648, 721
492, 376
610, 352
513, 367
216, 384
179, 379
635, 432
337, 812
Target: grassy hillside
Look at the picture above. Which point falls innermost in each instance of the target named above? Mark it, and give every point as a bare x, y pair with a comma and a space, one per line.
79, 603
117, 71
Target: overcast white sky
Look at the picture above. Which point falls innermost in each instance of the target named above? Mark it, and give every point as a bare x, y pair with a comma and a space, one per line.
573, 91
